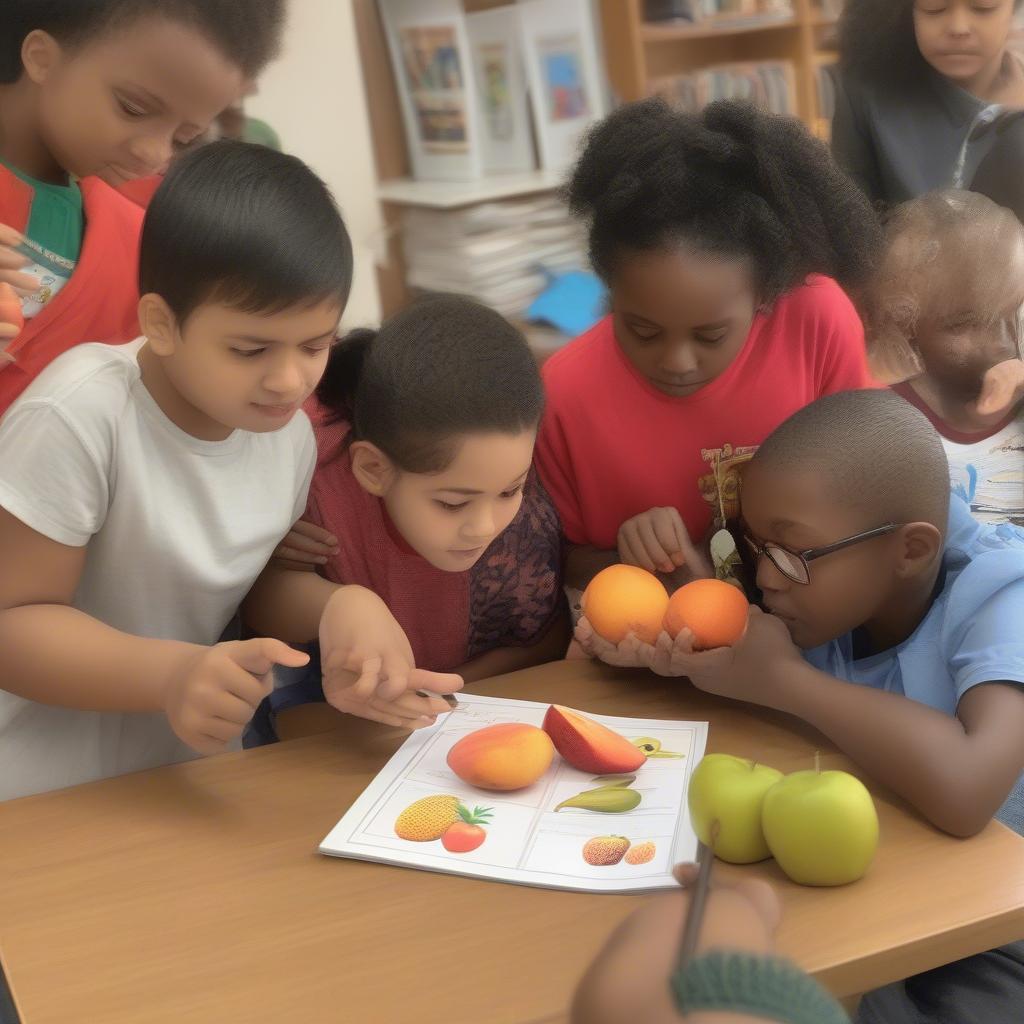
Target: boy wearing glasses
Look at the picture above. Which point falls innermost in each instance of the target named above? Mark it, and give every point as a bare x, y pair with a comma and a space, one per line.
908, 611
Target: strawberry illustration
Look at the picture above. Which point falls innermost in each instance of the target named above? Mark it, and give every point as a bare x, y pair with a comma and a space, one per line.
465, 835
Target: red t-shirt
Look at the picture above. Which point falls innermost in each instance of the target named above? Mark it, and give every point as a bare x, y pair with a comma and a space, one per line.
508, 599
613, 446
99, 303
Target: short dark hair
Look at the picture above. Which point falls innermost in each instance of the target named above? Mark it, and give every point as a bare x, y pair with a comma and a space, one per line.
443, 368
248, 32
242, 224
877, 41
732, 180
870, 450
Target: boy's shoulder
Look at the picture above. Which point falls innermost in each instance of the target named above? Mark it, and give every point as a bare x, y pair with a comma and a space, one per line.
89, 379
983, 592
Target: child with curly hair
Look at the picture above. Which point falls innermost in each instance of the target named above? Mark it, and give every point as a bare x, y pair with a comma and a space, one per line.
929, 96
725, 239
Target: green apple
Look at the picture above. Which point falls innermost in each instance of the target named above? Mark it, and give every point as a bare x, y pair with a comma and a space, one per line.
731, 790
821, 827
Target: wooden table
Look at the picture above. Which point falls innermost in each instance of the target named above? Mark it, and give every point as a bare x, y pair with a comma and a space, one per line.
195, 893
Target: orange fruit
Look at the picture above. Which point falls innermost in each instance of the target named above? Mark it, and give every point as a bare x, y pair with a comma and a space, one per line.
625, 599
715, 612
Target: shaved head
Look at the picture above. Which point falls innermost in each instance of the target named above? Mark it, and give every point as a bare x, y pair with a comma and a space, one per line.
871, 451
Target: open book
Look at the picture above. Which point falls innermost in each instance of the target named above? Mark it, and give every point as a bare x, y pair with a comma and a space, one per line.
525, 839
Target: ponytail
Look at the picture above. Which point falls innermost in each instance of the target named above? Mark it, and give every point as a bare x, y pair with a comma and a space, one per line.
337, 389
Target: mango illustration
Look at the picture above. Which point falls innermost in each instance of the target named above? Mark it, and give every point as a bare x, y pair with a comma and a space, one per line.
589, 746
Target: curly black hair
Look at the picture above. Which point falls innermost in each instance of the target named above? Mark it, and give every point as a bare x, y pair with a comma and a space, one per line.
731, 180
877, 40
248, 32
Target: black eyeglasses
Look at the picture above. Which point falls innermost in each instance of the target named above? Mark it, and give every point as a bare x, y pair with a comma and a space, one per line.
793, 564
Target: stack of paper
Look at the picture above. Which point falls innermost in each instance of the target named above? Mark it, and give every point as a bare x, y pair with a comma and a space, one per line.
500, 253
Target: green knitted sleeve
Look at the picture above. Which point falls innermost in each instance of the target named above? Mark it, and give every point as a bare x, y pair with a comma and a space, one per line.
765, 987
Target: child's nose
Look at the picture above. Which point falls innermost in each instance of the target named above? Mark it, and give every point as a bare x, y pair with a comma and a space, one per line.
680, 359
284, 378
152, 153
959, 23
481, 525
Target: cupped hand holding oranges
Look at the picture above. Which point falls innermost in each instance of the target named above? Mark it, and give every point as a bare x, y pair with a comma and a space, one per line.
626, 609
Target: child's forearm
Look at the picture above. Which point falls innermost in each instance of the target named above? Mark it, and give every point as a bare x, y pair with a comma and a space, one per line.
551, 647
925, 756
288, 604
58, 655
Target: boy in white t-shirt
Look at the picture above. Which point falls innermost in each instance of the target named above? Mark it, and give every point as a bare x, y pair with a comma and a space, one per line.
144, 487
943, 326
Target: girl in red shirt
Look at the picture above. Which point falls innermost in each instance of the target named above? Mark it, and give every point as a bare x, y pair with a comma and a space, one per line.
425, 432
721, 237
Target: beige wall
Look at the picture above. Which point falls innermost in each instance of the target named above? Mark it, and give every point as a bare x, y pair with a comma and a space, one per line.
314, 97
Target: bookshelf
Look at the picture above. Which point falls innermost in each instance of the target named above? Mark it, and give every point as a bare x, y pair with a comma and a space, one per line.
637, 54
640, 54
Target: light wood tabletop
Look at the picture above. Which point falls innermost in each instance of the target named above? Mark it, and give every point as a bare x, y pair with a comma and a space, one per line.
196, 893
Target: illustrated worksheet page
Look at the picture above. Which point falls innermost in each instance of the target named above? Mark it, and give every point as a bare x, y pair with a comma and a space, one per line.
571, 829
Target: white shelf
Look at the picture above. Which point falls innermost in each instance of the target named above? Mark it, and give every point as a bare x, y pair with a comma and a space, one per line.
449, 195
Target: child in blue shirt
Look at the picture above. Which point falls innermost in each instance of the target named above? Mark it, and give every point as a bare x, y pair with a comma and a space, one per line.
866, 563
908, 613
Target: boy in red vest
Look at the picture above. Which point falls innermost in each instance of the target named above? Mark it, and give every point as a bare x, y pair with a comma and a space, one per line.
92, 96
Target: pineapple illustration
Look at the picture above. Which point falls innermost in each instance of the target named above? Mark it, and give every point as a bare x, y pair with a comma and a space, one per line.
605, 850
427, 819
642, 853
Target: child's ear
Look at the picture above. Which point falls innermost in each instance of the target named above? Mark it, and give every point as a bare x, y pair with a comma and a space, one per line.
921, 545
40, 54
159, 324
371, 467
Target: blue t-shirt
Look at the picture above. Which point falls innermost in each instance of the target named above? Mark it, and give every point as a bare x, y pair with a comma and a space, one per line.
972, 633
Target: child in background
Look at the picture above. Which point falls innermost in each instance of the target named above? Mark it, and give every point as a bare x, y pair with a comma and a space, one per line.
908, 614
926, 90
943, 321
145, 485
712, 232
426, 432
93, 95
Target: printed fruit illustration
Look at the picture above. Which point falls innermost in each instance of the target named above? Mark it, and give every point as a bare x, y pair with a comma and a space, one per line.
589, 746
466, 834
427, 819
731, 790
715, 612
642, 853
625, 599
10, 306
615, 797
502, 757
605, 850
652, 748
821, 827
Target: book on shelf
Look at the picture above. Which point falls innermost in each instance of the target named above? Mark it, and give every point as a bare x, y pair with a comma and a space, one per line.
769, 84
734, 12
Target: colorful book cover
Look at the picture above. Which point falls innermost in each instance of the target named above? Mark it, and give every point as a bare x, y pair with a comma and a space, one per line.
570, 829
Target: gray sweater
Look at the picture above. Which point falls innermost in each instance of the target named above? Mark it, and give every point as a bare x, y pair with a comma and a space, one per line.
927, 135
